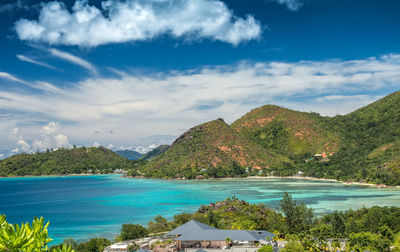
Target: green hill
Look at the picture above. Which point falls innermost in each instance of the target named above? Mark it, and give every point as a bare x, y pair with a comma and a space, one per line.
288, 132
212, 149
129, 154
64, 161
155, 152
360, 146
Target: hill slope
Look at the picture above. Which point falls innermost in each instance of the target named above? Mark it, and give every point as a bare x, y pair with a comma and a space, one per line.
213, 146
129, 154
361, 146
288, 132
64, 161
156, 152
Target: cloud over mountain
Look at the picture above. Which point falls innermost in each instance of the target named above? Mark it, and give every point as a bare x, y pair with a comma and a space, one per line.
137, 20
136, 106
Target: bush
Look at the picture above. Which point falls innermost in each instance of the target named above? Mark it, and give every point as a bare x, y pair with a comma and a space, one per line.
133, 231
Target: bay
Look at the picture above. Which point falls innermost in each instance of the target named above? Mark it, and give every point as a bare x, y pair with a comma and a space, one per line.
83, 207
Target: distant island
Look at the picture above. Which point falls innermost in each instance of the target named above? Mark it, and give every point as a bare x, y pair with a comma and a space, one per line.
361, 146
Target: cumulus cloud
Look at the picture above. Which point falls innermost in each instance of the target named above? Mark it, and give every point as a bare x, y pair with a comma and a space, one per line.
137, 20
96, 144
39, 63
47, 138
138, 106
143, 149
292, 5
73, 59
23, 145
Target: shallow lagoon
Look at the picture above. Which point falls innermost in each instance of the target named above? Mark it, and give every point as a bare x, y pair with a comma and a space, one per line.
95, 206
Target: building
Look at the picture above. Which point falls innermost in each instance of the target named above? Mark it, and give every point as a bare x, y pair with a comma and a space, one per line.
194, 234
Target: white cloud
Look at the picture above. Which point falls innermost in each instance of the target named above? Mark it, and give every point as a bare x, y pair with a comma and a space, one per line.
73, 59
137, 20
96, 144
47, 138
51, 128
136, 107
292, 5
23, 145
143, 150
11, 77
30, 60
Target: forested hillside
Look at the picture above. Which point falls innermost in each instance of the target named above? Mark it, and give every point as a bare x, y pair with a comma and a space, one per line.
270, 140
64, 161
361, 146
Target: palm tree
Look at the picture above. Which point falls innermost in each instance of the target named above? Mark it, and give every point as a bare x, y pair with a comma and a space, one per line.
228, 241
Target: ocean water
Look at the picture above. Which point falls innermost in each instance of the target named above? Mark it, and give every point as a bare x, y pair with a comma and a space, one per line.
82, 207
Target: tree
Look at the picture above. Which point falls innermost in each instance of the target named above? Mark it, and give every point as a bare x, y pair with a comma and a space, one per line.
363, 241
266, 248
182, 218
26, 237
293, 244
288, 206
133, 231
396, 245
297, 217
159, 224
94, 245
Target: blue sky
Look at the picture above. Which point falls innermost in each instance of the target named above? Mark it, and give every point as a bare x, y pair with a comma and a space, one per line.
135, 73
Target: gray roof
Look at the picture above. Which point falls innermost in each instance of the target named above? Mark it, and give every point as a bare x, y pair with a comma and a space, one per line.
189, 227
221, 235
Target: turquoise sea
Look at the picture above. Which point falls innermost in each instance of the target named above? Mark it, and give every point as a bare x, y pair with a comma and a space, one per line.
82, 207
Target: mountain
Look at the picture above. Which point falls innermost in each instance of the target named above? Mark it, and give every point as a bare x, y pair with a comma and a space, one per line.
64, 161
213, 146
155, 152
129, 154
361, 146
288, 132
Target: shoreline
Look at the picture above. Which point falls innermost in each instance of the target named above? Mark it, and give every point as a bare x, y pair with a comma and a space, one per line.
227, 178
58, 175
379, 186
327, 180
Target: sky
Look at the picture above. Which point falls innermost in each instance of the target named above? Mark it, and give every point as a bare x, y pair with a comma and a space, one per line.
133, 74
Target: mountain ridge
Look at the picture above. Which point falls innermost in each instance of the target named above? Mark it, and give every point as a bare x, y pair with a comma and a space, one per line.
287, 142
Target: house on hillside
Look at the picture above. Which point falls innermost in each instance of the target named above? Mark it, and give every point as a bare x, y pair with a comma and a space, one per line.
194, 235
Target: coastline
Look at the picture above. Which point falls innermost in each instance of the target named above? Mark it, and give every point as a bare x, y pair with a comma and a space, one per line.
227, 178
58, 175
288, 177
328, 180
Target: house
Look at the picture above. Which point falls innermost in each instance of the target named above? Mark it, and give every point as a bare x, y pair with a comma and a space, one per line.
194, 234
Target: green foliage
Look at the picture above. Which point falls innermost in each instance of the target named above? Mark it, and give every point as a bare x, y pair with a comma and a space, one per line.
93, 245
158, 224
26, 237
293, 244
361, 146
129, 154
64, 161
211, 149
297, 217
133, 231
266, 248
360, 242
396, 244
156, 152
